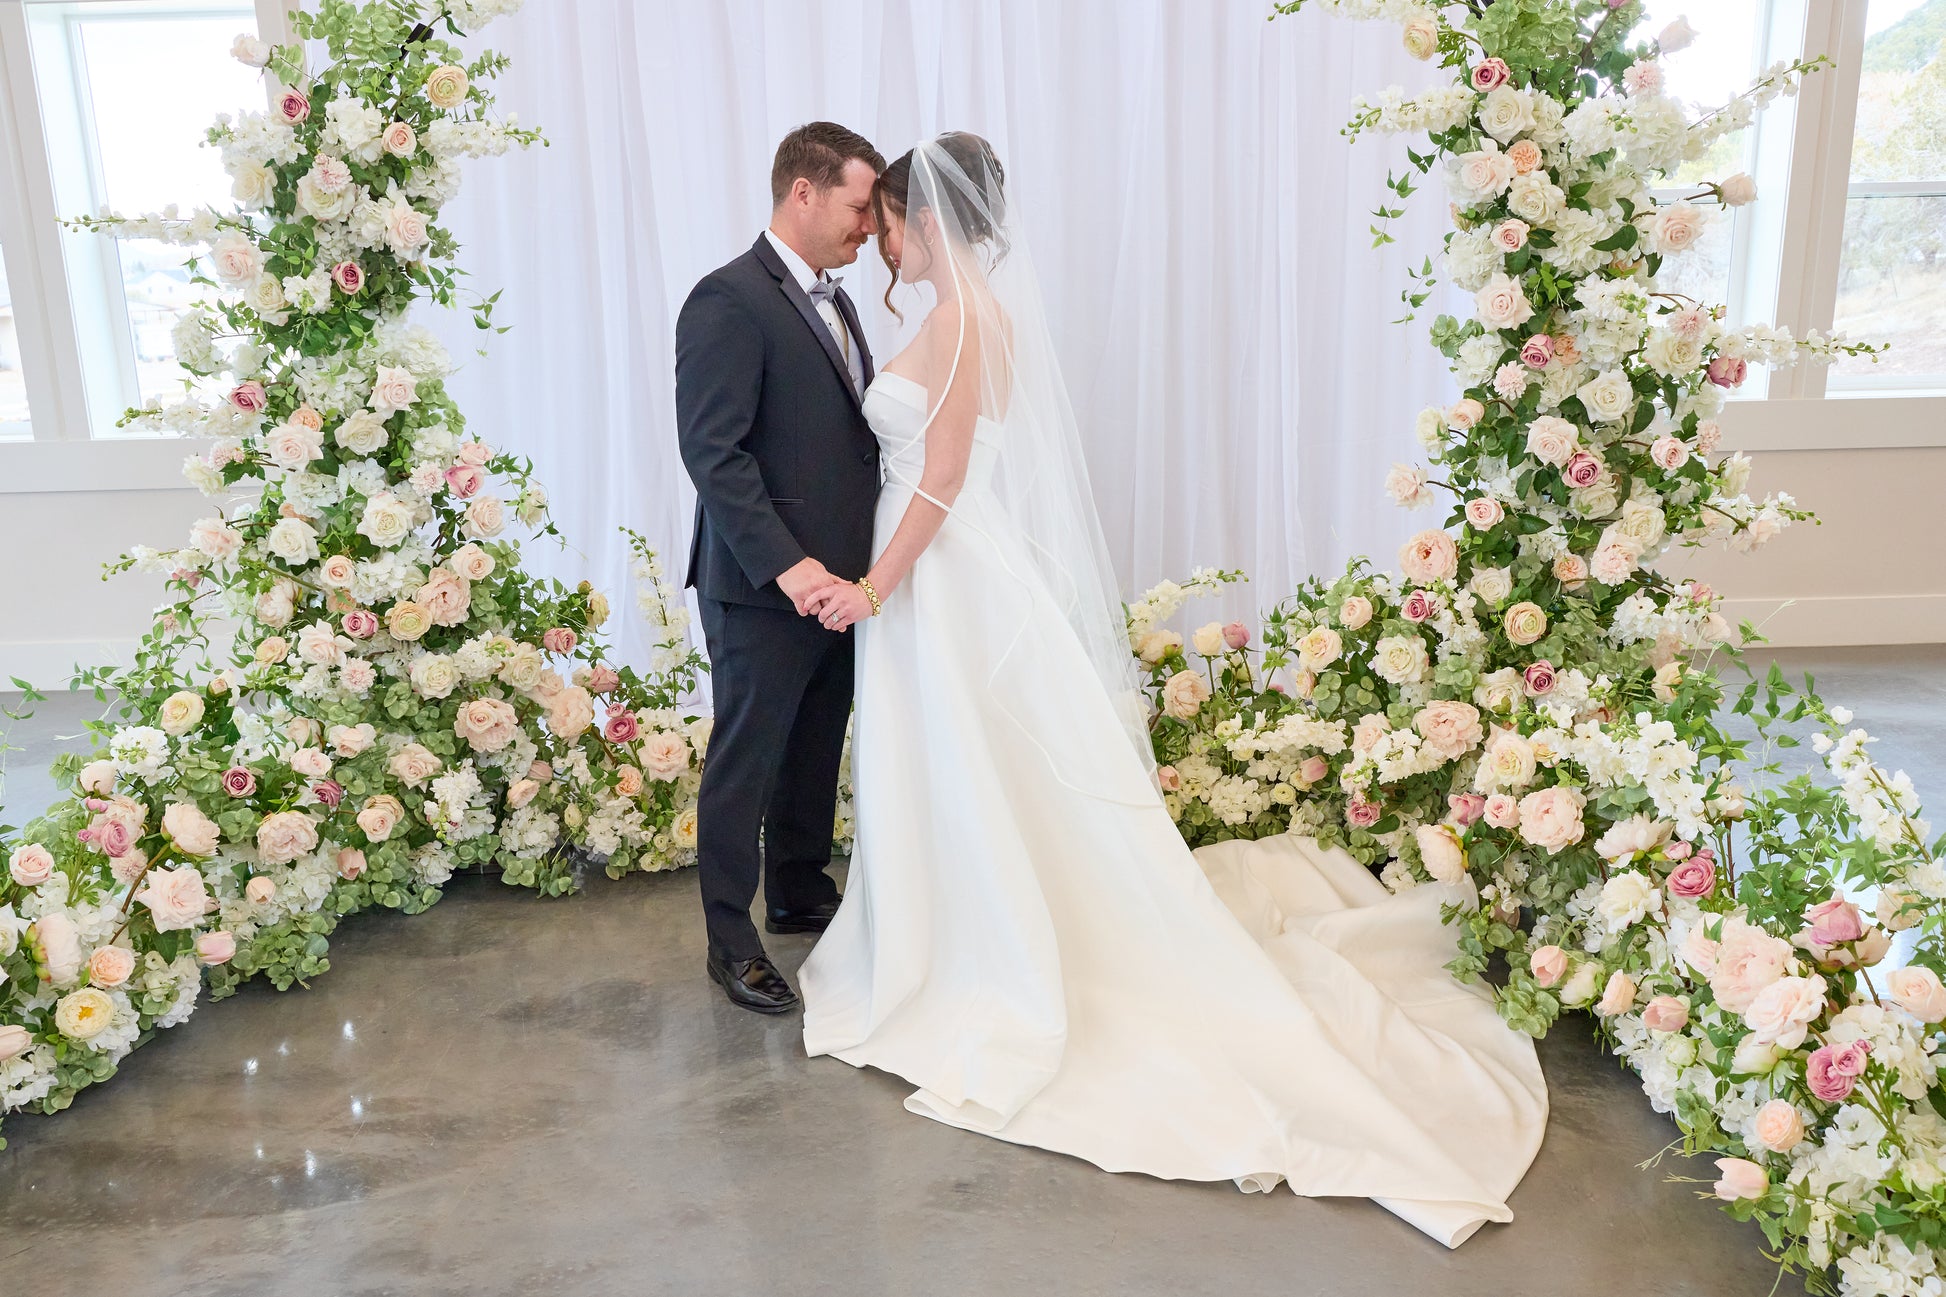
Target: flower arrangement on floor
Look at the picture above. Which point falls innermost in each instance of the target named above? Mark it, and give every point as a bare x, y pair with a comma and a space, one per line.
1528, 703
353, 689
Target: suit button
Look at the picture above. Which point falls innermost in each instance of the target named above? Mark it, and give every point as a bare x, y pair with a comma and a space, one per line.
866, 458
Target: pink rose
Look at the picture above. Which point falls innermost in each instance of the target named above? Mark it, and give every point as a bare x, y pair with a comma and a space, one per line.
520, 792
250, 397
312, 763
380, 816
1551, 818
1747, 960
476, 453
361, 623
1740, 1178
1669, 453
445, 597
285, 836
1548, 964
110, 966
1779, 1126
559, 639
1665, 1013
1502, 810
622, 727
1489, 73
628, 780
1832, 1071
665, 755
1571, 570
1484, 512
1450, 728
349, 276
413, 764
602, 680
1537, 351
293, 106
1538, 678
1618, 996
1727, 371
1693, 877
1834, 922
1354, 612
570, 712
1236, 635
176, 898
1361, 814
260, 890
1918, 991
541, 772
1429, 557
1312, 769
1465, 808
1511, 236
328, 791
31, 865
215, 947
114, 838
487, 724
351, 863
1583, 469
194, 833
1677, 851
465, 480
1418, 606
1168, 778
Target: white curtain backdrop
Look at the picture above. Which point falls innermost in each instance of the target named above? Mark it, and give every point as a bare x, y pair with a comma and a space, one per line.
1201, 225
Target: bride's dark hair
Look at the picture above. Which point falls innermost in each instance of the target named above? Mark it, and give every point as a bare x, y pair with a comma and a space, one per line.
979, 210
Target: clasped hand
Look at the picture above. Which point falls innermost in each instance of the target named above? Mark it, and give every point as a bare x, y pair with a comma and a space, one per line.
815, 592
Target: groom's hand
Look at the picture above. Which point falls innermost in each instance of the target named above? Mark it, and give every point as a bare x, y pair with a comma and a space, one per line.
802, 580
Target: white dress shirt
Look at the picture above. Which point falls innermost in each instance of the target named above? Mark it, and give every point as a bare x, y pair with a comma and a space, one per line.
847, 345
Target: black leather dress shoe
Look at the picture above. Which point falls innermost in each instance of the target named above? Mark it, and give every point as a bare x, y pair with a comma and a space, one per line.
753, 984
815, 919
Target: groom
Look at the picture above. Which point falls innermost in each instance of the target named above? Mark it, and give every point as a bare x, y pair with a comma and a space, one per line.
771, 370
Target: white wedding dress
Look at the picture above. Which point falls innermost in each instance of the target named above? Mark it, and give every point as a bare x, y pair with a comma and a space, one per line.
1052, 966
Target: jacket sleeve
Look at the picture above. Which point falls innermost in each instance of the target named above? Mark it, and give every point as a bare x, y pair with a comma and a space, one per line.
719, 377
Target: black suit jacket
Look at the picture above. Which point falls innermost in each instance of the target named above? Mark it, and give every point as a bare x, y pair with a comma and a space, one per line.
772, 433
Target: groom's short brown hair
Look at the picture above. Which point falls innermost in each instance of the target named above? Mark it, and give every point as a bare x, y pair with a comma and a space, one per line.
818, 152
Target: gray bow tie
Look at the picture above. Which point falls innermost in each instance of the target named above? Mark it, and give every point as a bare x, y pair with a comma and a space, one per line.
825, 289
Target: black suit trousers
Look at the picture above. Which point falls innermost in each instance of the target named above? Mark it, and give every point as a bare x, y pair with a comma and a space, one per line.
782, 687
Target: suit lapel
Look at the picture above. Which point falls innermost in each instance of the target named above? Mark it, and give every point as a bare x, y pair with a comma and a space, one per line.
787, 282
849, 313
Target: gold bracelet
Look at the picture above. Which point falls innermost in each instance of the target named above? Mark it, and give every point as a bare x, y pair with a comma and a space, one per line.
871, 594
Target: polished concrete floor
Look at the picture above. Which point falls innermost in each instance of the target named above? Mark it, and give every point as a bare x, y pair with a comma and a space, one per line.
511, 1096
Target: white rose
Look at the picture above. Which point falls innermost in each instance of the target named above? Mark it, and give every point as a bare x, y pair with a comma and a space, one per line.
293, 540
1535, 198
363, 432
252, 184
1607, 396
1400, 659
1627, 898
394, 389
1506, 112
250, 51
266, 297
1493, 584
1552, 440
387, 520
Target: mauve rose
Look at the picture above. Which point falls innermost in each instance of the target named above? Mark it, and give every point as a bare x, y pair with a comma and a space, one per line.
1418, 606
360, 623
1822, 1075
1537, 351
1583, 469
1834, 922
216, 947
1548, 964
1740, 1178
559, 639
250, 397
1361, 814
1728, 371
1465, 808
293, 106
349, 276
1538, 678
1489, 73
260, 890
239, 782
622, 727
113, 838
1665, 1013
1692, 878
1312, 769
31, 865
465, 480
351, 863
329, 791
110, 966
1236, 635
1849, 1058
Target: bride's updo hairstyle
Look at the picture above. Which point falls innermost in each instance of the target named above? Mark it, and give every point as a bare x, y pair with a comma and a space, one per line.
977, 196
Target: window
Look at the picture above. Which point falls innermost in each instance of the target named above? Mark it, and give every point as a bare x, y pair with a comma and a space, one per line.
14, 422
126, 89
1727, 54
1892, 262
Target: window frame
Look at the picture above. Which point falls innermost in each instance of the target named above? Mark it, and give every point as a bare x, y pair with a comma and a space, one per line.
64, 451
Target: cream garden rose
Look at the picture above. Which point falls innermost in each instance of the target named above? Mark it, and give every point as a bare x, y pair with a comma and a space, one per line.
176, 898
285, 836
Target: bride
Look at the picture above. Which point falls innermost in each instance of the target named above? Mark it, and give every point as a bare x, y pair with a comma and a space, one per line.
1025, 937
